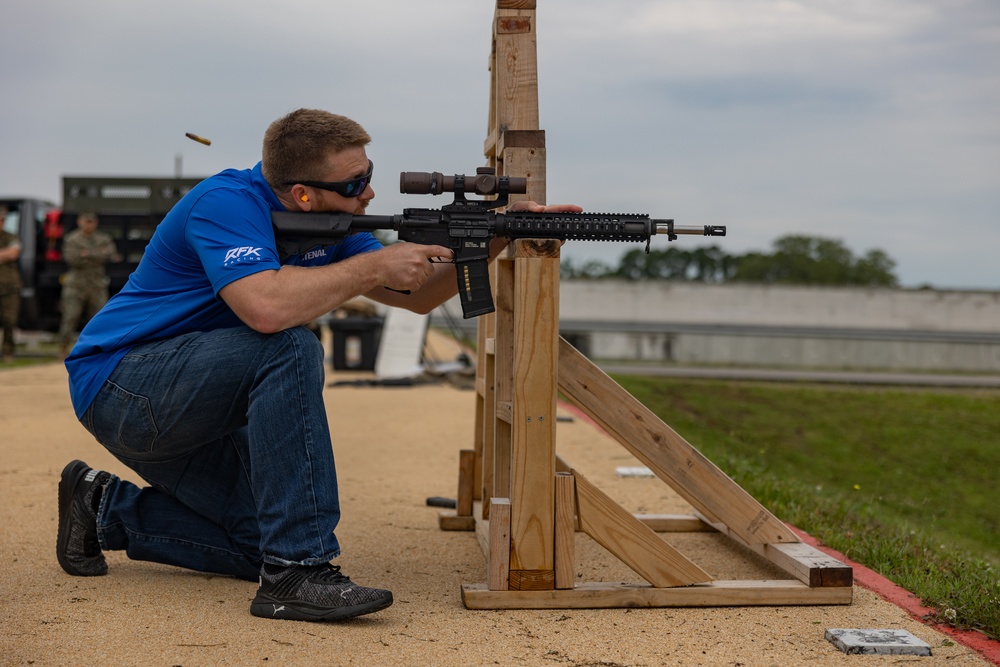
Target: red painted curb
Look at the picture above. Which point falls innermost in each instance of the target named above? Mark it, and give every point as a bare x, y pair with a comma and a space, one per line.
907, 601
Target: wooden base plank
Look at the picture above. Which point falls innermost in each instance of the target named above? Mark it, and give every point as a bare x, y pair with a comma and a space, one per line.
599, 595
811, 566
449, 520
675, 523
804, 562
532, 580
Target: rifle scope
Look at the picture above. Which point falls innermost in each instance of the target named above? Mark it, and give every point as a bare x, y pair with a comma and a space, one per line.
485, 182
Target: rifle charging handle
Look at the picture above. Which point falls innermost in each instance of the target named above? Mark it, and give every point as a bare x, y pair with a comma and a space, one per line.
485, 182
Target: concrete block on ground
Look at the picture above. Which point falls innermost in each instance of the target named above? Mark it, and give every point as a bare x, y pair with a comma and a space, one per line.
881, 642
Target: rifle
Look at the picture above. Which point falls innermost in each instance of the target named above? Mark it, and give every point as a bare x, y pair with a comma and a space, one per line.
467, 226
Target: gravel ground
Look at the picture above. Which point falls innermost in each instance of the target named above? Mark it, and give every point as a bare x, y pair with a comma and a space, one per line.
395, 447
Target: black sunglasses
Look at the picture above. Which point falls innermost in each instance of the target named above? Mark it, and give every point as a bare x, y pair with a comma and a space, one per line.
352, 188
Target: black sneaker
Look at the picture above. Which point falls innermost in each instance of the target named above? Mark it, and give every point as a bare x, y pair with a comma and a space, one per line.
317, 593
77, 548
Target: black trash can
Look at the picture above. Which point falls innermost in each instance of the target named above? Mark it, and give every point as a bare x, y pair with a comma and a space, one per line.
355, 342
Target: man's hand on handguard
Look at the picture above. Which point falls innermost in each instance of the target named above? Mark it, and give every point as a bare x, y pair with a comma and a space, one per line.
541, 208
498, 244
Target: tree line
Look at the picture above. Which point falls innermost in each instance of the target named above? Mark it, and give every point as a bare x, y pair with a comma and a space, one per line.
794, 260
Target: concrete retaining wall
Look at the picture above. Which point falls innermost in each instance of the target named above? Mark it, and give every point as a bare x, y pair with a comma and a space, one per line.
755, 325
847, 328
669, 302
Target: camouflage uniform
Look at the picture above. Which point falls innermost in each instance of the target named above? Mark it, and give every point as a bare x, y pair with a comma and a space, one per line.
85, 285
10, 293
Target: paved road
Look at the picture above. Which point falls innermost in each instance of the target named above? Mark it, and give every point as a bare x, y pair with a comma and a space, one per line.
780, 375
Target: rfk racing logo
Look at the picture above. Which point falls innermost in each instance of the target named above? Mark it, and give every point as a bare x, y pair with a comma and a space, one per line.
242, 254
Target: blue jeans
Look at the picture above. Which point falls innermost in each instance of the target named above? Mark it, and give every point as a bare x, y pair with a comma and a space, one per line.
229, 429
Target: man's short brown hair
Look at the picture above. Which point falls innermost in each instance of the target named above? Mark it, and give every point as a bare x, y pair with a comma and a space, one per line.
298, 146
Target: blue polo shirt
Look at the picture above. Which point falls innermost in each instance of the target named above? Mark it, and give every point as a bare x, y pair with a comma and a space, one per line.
218, 233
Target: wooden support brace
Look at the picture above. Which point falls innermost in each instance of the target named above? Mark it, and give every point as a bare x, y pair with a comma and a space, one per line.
633, 543
498, 576
665, 452
466, 481
565, 558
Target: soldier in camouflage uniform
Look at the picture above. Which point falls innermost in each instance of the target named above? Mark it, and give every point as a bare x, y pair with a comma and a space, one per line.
10, 287
85, 286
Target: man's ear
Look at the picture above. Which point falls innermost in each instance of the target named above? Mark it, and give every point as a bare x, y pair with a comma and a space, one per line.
301, 197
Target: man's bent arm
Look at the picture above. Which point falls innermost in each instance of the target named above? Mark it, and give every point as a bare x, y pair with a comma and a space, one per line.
271, 301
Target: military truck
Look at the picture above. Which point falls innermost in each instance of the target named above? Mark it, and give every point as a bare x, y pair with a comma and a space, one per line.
26, 218
128, 208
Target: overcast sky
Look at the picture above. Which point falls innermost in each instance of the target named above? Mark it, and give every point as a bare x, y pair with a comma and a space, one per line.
875, 122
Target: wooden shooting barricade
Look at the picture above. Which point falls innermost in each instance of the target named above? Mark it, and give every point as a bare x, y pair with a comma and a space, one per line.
521, 499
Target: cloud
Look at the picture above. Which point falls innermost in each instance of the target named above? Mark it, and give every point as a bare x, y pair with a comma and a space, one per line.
871, 122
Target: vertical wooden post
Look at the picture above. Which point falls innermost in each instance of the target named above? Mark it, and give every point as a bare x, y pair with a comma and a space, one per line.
533, 411
485, 411
503, 363
524, 341
514, 144
466, 482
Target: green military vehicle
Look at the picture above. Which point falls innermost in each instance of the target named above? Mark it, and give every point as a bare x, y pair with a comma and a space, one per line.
26, 218
128, 208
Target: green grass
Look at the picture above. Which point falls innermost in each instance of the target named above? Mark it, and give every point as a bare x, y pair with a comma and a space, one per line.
903, 481
44, 354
